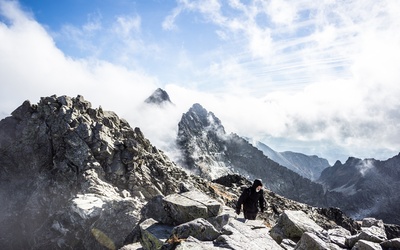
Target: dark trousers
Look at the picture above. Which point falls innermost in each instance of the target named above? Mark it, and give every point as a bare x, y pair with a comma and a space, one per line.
250, 216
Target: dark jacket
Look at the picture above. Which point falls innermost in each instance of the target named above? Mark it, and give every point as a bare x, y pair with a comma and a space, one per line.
251, 200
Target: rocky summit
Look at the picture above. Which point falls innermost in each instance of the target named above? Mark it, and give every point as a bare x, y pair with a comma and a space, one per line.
159, 97
77, 177
72, 175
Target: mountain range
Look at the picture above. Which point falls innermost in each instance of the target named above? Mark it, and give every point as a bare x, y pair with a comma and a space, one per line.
77, 177
359, 187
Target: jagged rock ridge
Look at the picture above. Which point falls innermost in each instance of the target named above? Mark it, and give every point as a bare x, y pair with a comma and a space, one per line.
69, 173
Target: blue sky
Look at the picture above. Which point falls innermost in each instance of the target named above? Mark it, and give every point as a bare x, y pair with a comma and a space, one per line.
317, 77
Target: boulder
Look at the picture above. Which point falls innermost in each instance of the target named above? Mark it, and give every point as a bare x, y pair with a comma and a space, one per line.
391, 244
338, 236
292, 225
372, 234
366, 245
185, 207
154, 234
249, 235
311, 241
200, 229
223, 218
369, 222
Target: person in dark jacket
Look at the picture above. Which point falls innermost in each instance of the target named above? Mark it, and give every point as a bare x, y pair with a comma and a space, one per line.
251, 198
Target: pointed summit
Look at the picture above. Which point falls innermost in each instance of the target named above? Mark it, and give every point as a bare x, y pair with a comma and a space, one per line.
158, 97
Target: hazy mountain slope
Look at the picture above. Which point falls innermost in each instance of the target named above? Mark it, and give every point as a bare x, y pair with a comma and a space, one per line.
375, 185
308, 166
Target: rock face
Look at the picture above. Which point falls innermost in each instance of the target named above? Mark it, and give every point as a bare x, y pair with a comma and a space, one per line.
308, 166
71, 174
370, 187
200, 138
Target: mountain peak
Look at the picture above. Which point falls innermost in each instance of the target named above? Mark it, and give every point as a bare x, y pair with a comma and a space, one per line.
158, 97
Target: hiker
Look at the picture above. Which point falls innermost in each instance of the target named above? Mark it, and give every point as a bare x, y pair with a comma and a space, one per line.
251, 198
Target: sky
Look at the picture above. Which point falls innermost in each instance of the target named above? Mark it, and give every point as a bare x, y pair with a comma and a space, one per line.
315, 77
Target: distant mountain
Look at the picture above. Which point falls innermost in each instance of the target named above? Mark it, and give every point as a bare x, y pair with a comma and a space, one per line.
373, 184
159, 97
308, 166
209, 152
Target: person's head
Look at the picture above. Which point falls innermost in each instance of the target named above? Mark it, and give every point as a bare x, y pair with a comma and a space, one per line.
257, 185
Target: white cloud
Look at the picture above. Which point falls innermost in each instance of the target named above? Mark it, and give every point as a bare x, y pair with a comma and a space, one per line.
32, 66
282, 12
169, 21
127, 25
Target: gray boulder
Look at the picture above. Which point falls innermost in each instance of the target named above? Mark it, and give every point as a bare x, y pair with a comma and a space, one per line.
369, 222
292, 225
248, 235
311, 241
338, 236
391, 244
366, 245
200, 229
371, 234
179, 208
154, 234
184, 207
